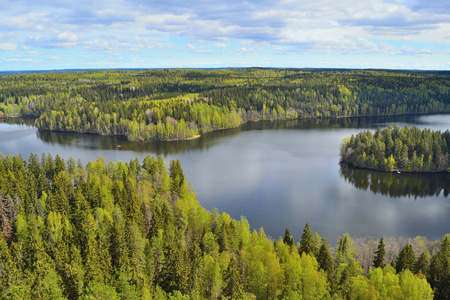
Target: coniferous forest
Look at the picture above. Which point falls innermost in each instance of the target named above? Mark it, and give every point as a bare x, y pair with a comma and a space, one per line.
165, 104
398, 149
134, 230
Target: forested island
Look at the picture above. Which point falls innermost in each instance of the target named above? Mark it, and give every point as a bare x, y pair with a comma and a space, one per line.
166, 104
134, 230
398, 149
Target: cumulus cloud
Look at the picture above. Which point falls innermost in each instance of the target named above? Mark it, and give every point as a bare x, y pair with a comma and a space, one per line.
288, 27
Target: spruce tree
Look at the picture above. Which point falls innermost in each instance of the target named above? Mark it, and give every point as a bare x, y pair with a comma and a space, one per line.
378, 260
308, 244
422, 263
233, 285
288, 239
325, 261
439, 273
406, 259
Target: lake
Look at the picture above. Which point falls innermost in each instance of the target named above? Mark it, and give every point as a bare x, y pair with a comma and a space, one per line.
279, 175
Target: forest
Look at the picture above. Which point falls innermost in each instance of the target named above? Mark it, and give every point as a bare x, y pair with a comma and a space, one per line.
134, 230
398, 149
165, 104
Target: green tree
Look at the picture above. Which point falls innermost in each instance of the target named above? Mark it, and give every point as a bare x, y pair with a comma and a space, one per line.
406, 259
288, 238
422, 264
308, 244
380, 253
232, 280
439, 273
325, 261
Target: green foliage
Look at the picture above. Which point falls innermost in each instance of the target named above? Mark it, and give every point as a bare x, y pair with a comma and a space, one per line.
325, 261
288, 238
439, 274
406, 259
146, 105
378, 260
136, 231
308, 244
398, 149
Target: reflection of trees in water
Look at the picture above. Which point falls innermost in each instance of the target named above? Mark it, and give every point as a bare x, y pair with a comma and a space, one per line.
398, 185
331, 123
92, 141
18, 120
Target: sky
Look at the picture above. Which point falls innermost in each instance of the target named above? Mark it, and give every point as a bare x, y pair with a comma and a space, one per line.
97, 34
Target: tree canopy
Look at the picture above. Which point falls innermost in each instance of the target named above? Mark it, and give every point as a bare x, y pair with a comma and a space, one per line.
134, 230
146, 105
398, 149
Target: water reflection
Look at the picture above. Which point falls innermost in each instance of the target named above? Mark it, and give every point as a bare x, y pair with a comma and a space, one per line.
18, 120
91, 141
353, 122
398, 185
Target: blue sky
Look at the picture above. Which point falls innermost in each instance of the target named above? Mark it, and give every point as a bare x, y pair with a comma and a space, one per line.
57, 34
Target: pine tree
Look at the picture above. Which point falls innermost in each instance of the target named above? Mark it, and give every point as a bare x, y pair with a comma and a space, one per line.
406, 259
308, 244
378, 260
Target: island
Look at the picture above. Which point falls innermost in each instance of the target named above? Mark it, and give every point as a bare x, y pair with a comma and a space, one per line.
396, 149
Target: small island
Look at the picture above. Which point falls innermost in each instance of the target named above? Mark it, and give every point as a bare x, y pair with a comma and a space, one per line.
396, 149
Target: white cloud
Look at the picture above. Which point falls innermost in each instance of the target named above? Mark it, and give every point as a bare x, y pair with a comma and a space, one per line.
221, 45
7, 47
244, 51
386, 27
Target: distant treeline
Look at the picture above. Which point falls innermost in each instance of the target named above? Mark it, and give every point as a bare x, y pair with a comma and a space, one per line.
181, 103
402, 149
135, 230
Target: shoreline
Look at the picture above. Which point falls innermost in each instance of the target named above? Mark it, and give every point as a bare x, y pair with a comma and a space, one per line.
399, 171
180, 139
247, 121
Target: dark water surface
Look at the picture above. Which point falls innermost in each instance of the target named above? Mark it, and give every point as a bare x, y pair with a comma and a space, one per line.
279, 175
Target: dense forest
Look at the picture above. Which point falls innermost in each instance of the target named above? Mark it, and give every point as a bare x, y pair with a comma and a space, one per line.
398, 149
146, 105
134, 230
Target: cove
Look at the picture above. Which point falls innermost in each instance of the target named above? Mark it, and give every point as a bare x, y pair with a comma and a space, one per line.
278, 175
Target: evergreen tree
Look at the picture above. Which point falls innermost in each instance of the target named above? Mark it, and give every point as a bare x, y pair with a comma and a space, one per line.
308, 244
233, 283
378, 260
439, 273
406, 259
288, 238
325, 261
422, 264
